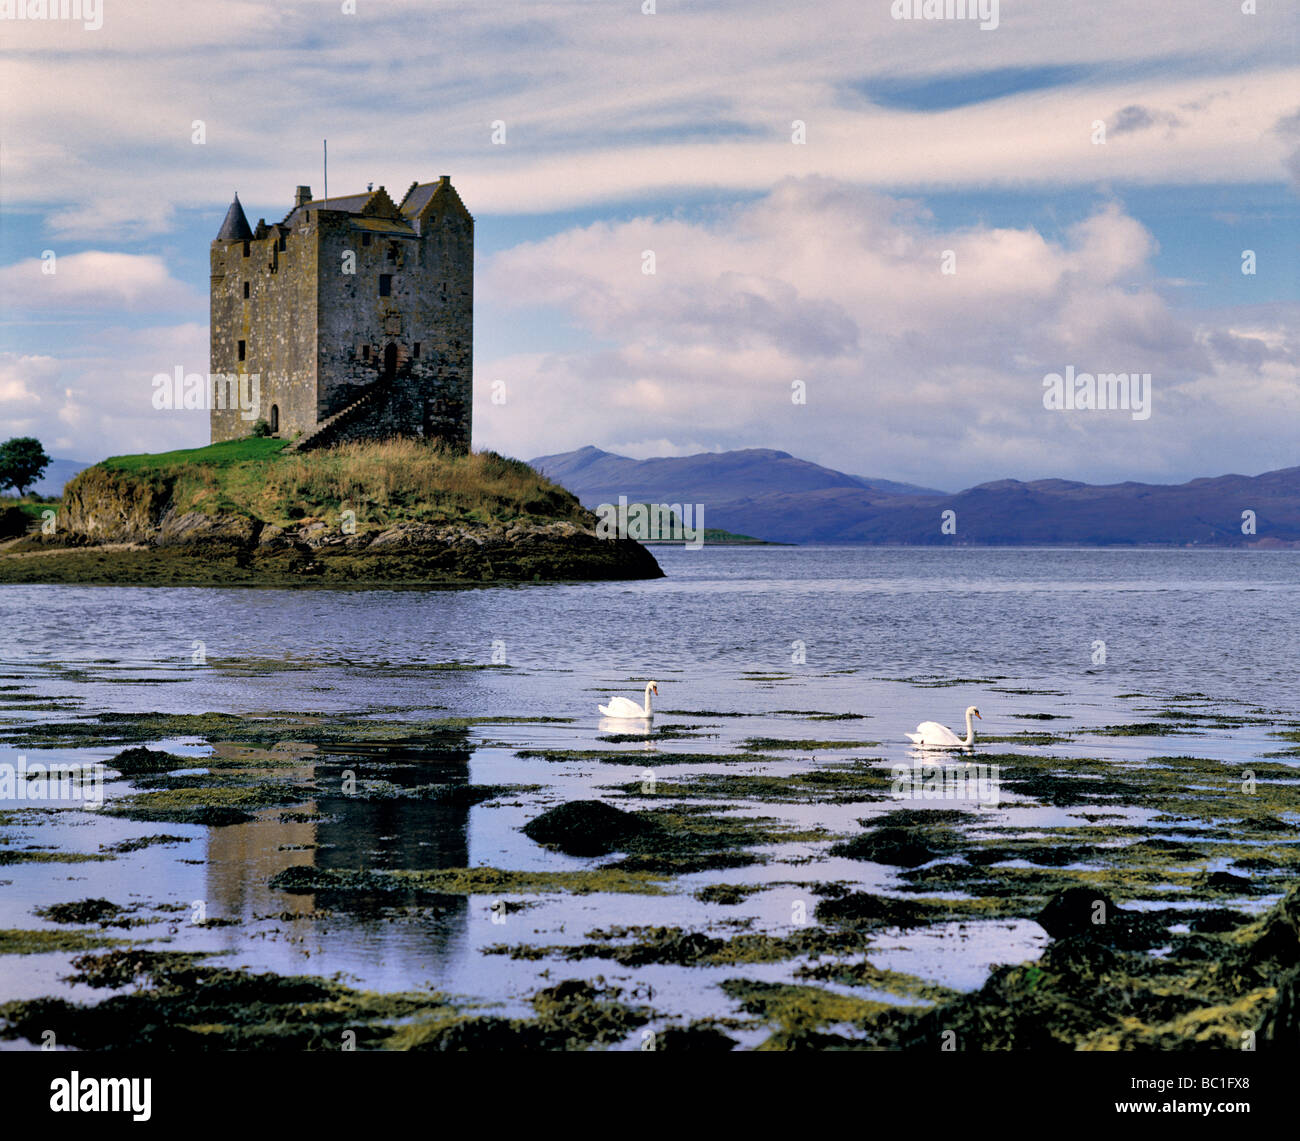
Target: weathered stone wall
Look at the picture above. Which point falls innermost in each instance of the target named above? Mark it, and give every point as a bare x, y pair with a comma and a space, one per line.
276, 322
431, 306
447, 309
356, 324
320, 334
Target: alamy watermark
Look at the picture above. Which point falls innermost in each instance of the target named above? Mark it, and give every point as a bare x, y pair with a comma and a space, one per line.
57, 781
652, 522
75, 1094
89, 12
196, 391
985, 11
927, 780
1104, 392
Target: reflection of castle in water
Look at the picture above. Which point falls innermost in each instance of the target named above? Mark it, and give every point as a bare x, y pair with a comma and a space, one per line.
390, 833
357, 832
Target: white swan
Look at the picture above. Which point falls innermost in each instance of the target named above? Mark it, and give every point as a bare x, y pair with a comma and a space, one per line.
932, 735
622, 707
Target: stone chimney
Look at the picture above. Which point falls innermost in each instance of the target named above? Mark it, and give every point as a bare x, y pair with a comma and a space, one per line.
301, 196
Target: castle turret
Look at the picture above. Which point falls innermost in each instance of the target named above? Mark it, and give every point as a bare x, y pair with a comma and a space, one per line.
235, 228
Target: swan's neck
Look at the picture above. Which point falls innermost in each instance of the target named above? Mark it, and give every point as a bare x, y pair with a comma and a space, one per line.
970, 730
649, 708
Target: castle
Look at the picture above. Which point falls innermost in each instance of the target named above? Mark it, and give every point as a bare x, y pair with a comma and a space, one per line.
355, 313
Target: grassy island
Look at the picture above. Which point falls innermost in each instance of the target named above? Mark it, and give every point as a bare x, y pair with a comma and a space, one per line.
251, 511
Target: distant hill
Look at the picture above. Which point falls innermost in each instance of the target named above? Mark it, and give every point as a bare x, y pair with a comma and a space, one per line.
778, 497
727, 475
56, 475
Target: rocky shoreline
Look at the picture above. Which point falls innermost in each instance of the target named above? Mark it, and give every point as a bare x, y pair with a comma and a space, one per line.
223, 549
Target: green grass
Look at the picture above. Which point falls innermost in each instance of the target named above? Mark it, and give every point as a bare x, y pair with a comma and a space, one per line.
31, 505
668, 528
252, 448
397, 481
717, 535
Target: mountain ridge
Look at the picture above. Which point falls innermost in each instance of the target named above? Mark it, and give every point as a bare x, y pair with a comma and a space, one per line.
776, 496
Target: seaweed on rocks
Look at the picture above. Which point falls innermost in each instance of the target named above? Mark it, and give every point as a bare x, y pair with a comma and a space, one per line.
589, 828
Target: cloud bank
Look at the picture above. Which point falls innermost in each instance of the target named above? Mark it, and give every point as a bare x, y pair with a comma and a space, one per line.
913, 372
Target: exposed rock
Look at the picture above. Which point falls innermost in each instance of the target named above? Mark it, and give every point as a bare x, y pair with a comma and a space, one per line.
901, 847
1089, 913
1226, 881
485, 1034
1079, 957
1077, 911
1274, 943
81, 911
194, 529
140, 760
861, 909
1280, 1028
405, 535
1217, 922
102, 506
587, 828
314, 533
273, 538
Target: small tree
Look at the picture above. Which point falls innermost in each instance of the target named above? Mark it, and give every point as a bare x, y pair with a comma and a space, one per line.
22, 462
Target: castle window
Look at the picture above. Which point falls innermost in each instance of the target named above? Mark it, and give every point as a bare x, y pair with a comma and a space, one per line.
365, 239
365, 352
275, 417
392, 251
282, 240
385, 285
245, 289
245, 249
415, 350
241, 350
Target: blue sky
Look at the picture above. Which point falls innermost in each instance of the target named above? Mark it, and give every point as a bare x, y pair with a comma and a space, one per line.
776, 261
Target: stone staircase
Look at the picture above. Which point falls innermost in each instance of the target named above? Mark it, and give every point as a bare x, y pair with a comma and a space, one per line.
325, 432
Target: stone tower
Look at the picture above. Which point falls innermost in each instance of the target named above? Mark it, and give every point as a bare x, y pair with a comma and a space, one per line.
356, 315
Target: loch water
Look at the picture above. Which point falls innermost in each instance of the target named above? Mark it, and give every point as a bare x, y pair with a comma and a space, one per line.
775, 638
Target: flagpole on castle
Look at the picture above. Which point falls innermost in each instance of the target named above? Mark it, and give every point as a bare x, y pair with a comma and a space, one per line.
325, 143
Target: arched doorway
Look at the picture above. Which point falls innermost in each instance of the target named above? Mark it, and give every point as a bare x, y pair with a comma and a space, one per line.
275, 418
390, 362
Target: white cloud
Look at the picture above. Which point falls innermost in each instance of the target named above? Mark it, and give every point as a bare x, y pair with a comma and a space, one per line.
603, 103
99, 402
910, 373
21, 379
826, 278
124, 218
94, 279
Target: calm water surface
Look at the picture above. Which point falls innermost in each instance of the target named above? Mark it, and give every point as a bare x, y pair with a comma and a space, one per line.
771, 633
